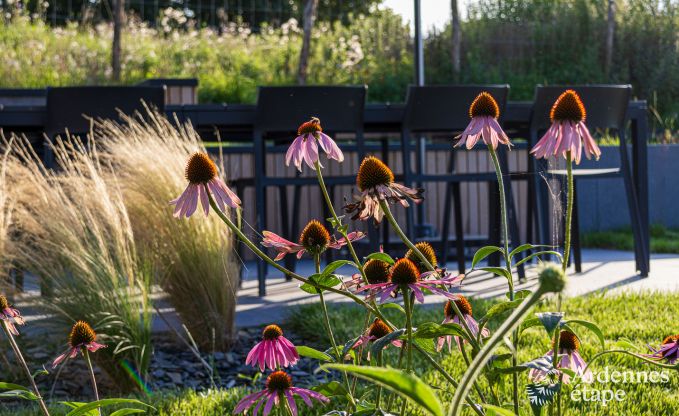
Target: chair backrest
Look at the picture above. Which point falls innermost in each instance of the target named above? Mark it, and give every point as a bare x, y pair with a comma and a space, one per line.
446, 107
283, 109
68, 107
606, 105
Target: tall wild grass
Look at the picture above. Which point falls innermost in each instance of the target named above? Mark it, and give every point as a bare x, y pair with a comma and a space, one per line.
194, 258
6, 209
74, 232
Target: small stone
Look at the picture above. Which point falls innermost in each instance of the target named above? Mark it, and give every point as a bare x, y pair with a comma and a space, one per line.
175, 377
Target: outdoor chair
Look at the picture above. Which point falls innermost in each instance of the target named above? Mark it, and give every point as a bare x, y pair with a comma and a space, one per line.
280, 110
606, 107
444, 110
70, 109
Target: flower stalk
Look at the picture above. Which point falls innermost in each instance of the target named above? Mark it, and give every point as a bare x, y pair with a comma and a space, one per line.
86, 353
569, 211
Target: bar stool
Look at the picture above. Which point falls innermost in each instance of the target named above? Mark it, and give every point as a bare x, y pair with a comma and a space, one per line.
280, 110
606, 107
445, 109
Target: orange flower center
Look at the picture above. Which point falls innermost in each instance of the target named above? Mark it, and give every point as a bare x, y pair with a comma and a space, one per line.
404, 272
462, 304
671, 338
272, 332
568, 341
4, 304
200, 169
373, 172
278, 381
376, 271
378, 329
568, 107
311, 126
315, 237
81, 333
484, 105
427, 250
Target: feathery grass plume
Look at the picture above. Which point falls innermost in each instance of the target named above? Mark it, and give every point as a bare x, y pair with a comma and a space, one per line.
74, 233
6, 208
195, 258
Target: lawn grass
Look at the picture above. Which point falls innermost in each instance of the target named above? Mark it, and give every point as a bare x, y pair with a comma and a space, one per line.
663, 240
642, 318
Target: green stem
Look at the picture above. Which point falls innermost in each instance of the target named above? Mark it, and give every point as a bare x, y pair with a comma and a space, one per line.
555, 355
409, 327
86, 354
569, 211
24, 366
476, 384
486, 352
379, 387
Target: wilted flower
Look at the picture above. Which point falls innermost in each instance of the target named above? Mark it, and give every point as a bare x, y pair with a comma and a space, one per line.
568, 132
405, 274
378, 329
450, 316
569, 344
278, 387
484, 112
82, 337
376, 182
305, 146
314, 239
273, 351
201, 171
10, 315
669, 350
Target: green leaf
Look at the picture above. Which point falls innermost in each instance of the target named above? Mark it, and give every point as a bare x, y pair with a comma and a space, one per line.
524, 247
392, 305
529, 323
381, 256
379, 344
18, 394
498, 271
328, 280
626, 343
592, 327
425, 345
312, 353
330, 268
539, 253
349, 345
85, 408
331, 389
125, 412
404, 384
484, 252
497, 411
429, 330
497, 309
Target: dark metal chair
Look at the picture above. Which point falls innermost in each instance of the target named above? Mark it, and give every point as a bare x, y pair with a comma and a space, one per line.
71, 108
606, 107
445, 109
279, 112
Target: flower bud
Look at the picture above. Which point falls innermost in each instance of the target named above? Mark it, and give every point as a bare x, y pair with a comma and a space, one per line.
552, 278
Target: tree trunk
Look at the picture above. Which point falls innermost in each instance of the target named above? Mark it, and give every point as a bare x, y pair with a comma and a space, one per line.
310, 9
456, 38
118, 22
610, 35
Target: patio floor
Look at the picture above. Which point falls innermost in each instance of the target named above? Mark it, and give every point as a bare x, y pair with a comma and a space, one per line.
602, 270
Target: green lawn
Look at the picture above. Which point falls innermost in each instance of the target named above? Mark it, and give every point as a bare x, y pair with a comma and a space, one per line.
663, 240
642, 318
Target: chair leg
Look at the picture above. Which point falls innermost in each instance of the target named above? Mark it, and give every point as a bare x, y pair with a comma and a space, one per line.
445, 228
459, 229
575, 232
260, 206
640, 248
493, 222
285, 226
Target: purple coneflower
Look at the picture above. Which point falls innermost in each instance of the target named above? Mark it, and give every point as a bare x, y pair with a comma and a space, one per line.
278, 388
568, 132
305, 146
484, 112
273, 351
202, 171
569, 344
10, 315
376, 182
405, 274
427, 251
378, 329
82, 337
314, 239
375, 271
669, 350
466, 309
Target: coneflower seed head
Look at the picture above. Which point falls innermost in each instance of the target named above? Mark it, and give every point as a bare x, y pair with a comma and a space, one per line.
81, 333
376, 271
484, 105
314, 237
569, 341
568, 107
272, 332
278, 381
671, 338
200, 169
427, 250
373, 172
4, 304
462, 304
378, 329
404, 272
311, 126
